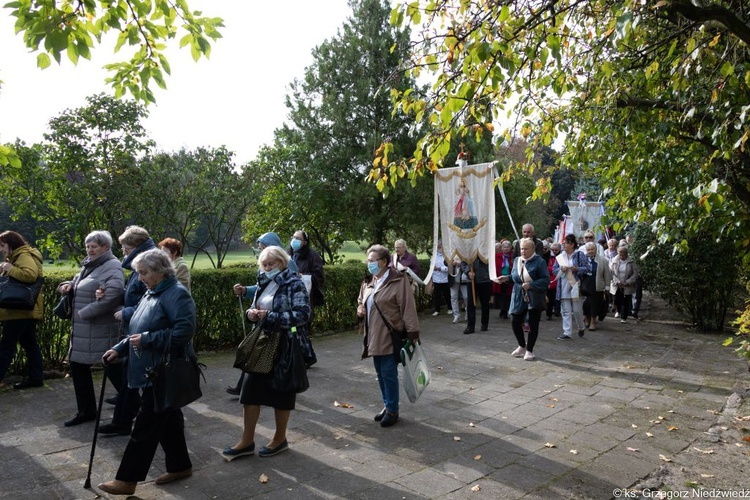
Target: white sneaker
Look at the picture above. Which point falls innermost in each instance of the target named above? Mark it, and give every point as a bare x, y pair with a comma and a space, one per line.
617, 315
529, 356
456, 320
450, 311
519, 352
623, 321
435, 313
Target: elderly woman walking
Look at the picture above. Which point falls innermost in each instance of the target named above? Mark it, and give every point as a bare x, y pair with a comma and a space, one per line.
624, 277
386, 304
570, 266
164, 318
282, 302
95, 327
530, 278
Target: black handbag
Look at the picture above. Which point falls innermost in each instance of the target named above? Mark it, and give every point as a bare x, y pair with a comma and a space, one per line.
588, 285
15, 294
175, 380
290, 372
64, 308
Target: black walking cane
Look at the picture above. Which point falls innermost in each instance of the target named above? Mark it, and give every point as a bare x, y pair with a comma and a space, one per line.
87, 484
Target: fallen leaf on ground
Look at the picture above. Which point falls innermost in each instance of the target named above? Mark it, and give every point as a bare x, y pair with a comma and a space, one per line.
456, 438
707, 475
746, 439
666, 459
553, 399
671, 411
475, 488
648, 434
632, 449
477, 457
681, 392
747, 417
633, 426
263, 478
646, 407
550, 406
471, 424
574, 452
707, 452
550, 445
661, 418
673, 428
342, 405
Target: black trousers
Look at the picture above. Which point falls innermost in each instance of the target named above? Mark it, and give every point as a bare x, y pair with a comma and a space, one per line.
624, 303
553, 305
441, 292
128, 400
483, 291
21, 331
517, 324
150, 430
83, 383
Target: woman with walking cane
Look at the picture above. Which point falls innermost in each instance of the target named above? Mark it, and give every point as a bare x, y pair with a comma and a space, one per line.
166, 314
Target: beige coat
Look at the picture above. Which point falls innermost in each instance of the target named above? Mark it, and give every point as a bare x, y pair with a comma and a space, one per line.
396, 301
603, 273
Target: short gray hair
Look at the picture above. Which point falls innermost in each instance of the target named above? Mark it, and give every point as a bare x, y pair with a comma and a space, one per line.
589, 244
274, 253
381, 251
133, 236
100, 237
154, 261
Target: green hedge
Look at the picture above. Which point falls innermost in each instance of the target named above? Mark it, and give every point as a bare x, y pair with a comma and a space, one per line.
218, 310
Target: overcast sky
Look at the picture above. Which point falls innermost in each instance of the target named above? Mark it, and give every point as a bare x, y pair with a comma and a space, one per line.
235, 98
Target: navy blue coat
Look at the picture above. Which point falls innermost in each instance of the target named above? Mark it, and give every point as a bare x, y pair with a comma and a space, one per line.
167, 311
537, 269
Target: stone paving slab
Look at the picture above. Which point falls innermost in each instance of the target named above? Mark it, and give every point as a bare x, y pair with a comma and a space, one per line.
572, 424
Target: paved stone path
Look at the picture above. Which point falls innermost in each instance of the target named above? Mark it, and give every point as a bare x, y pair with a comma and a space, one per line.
488, 427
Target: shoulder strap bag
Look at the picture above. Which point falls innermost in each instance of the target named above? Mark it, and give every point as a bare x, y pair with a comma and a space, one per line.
15, 294
398, 339
175, 380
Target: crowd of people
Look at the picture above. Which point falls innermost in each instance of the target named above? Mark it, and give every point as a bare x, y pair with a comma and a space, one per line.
126, 313
581, 282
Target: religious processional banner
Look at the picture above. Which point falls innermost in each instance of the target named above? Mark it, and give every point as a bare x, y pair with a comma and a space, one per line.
465, 214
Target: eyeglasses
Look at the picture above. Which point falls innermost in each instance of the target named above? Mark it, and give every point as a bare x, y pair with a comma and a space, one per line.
588, 237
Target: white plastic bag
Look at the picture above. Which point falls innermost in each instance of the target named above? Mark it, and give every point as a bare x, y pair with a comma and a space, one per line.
575, 291
416, 371
307, 280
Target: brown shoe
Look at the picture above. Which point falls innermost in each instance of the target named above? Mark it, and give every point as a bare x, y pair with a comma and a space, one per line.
173, 476
117, 487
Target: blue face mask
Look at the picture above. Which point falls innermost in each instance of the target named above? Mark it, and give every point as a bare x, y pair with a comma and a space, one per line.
373, 267
272, 273
296, 244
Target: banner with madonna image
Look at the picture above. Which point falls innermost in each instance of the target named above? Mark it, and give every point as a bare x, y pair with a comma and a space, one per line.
465, 214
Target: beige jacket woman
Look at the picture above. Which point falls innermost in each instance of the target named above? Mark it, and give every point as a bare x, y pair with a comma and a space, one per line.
395, 299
